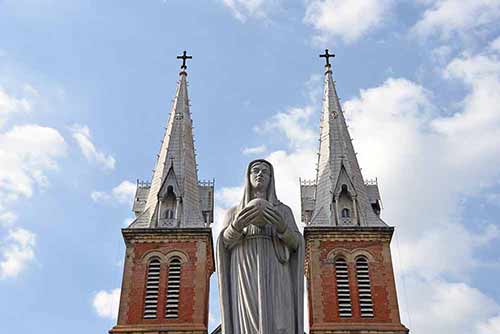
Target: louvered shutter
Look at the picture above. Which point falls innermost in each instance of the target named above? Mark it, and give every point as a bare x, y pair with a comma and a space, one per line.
364, 287
152, 288
173, 289
343, 291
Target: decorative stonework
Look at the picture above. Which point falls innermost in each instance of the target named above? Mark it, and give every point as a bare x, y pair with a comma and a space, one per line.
349, 255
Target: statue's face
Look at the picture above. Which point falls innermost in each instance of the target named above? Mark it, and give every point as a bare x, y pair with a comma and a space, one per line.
260, 175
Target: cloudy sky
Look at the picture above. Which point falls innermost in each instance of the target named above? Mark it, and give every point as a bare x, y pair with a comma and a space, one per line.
86, 89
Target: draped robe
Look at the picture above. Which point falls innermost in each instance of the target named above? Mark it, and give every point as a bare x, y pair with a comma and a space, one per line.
260, 274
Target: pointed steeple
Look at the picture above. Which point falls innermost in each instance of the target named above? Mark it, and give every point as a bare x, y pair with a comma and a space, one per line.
172, 199
341, 196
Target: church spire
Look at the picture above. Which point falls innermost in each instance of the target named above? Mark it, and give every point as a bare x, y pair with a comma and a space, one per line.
172, 199
169, 254
341, 196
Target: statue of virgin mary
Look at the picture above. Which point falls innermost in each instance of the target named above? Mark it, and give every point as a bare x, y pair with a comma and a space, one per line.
260, 261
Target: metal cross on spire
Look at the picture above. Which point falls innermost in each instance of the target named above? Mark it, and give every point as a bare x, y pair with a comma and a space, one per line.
184, 57
327, 56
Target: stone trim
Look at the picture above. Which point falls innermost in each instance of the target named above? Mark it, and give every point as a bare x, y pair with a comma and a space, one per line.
165, 257
179, 254
147, 329
349, 255
348, 233
152, 254
363, 253
358, 328
149, 235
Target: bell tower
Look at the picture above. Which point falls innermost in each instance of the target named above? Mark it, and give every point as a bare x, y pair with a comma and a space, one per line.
348, 266
169, 251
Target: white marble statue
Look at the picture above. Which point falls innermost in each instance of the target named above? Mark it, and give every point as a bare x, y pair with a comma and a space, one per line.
260, 261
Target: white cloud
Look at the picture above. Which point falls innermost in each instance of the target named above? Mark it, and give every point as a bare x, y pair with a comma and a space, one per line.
26, 153
479, 120
492, 326
293, 124
225, 198
447, 17
402, 109
419, 253
441, 54
289, 166
84, 139
443, 307
100, 196
254, 150
495, 44
492, 198
7, 217
10, 104
30, 90
123, 193
346, 19
106, 303
257, 9
17, 252
427, 170
229, 196
436, 161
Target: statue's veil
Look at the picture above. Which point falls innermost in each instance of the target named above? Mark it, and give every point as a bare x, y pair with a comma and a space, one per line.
271, 189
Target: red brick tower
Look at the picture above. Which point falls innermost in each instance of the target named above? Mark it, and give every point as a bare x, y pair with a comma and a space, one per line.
350, 280
169, 252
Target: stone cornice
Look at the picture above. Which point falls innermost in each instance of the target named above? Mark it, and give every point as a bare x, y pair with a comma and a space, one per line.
348, 233
130, 234
145, 328
154, 235
359, 327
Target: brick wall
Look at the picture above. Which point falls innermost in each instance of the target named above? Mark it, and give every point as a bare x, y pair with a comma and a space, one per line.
196, 253
323, 246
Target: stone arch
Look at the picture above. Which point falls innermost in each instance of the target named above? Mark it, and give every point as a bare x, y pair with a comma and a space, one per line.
152, 254
336, 253
176, 254
349, 255
165, 257
362, 253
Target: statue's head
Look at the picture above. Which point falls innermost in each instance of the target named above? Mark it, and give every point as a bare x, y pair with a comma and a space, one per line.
259, 179
260, 175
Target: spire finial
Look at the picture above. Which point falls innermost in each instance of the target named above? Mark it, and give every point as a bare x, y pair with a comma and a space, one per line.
327, 56
184, 56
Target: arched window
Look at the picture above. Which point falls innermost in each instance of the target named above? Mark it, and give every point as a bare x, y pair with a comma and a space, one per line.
152, 286
343, 291
345, 206
364, 287
173, 289
169, 214
169, 204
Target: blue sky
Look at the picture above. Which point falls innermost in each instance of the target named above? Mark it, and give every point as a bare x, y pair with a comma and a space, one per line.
86, 88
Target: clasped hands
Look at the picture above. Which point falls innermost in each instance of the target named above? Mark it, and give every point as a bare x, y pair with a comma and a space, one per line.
250, 212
